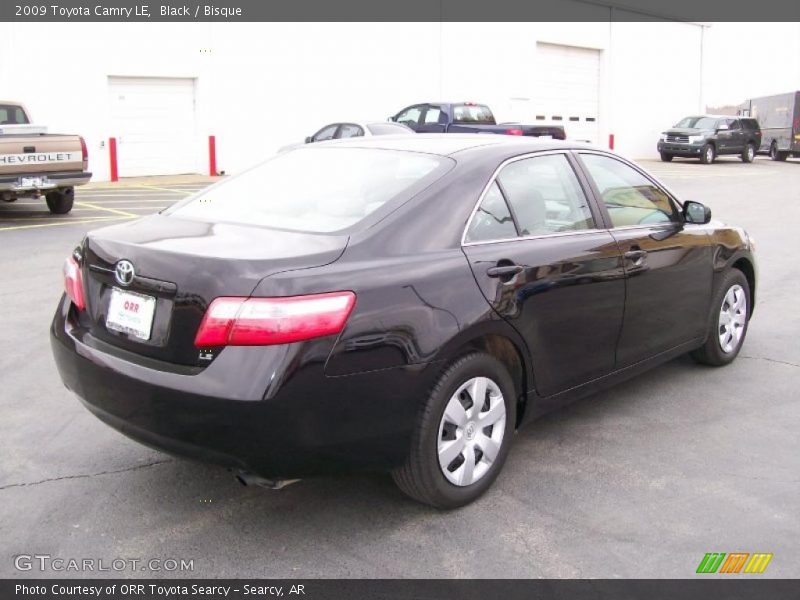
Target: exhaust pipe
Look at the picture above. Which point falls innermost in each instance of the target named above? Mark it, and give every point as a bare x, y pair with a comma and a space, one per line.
246, 479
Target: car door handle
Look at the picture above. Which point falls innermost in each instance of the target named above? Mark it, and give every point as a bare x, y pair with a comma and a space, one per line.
505, 271
635, 256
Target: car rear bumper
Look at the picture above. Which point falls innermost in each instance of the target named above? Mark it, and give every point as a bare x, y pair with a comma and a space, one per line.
313, 424
46, 181
677, 149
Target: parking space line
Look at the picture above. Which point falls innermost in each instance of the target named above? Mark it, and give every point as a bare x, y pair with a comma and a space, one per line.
65, 222
163, 189
105, 208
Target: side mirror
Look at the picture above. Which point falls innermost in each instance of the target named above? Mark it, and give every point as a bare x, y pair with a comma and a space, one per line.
723, 128
392, 119
694, 212
309, 139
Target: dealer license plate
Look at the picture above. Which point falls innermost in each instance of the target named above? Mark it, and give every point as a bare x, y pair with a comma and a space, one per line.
131, 313
32, 182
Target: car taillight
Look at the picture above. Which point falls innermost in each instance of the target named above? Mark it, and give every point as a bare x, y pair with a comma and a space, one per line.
84, 149
513, 131
268, 321
73, 283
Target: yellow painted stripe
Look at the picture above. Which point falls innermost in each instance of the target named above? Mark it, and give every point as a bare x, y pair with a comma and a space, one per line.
111, 210
155, 187
69, 222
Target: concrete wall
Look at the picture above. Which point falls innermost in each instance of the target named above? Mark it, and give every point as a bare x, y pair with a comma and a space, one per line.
263, 85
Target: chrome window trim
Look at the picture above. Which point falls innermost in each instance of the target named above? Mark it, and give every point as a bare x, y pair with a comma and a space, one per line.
493, 178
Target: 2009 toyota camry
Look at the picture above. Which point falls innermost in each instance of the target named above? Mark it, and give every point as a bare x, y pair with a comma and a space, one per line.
394, 303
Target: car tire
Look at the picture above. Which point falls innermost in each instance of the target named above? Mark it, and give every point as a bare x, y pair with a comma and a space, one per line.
732, 296
666, 157
707, 154
422, 476
775, 154
60, 201
749, 153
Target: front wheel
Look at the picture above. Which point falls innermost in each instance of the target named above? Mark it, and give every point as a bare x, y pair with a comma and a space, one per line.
60, 201
708, 154
730, 316
749, 153
463, 434
666, 157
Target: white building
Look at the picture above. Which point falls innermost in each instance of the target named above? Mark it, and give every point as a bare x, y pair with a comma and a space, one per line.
161, 89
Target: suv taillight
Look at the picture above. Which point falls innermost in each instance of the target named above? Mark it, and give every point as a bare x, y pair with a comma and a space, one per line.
268, 321
73, 283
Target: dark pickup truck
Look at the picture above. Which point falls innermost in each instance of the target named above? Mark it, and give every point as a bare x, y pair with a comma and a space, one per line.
467, 117
708, 136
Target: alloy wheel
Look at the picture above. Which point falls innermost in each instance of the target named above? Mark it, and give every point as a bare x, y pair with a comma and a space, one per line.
709, 154
471, 431
750, 153
732, 319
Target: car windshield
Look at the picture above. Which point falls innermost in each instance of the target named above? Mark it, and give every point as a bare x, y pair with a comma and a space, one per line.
473, 113
314, 190
697, 123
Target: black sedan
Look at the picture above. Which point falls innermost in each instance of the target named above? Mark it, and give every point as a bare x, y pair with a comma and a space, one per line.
396, 303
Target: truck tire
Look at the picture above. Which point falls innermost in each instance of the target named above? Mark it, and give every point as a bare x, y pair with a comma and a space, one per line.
749, 152
666, 157
60, 201
774, 153
708, 154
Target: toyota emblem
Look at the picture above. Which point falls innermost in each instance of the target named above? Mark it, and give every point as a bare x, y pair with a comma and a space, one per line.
123, 272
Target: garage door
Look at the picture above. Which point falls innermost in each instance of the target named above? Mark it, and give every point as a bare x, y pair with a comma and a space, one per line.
567, 82
154, 122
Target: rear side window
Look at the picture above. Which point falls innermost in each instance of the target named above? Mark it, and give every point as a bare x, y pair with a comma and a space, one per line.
749, 124
473, 113
11, 114
315, 189
629, 197
545, 195
492, 220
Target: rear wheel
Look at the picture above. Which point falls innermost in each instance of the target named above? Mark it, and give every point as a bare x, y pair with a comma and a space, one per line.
776, 154
666, 157
730, 315
60, 201
749, 153
708, 154
463, 434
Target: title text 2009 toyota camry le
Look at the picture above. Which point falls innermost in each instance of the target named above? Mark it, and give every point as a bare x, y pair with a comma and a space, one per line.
398, 303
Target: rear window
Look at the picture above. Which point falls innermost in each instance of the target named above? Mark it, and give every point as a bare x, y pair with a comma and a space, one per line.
473, 113
11, 114
315, 189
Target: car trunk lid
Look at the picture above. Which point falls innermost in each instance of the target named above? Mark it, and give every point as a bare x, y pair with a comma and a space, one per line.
182, 265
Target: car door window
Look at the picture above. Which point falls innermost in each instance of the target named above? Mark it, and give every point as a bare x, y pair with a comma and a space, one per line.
629, 197
433, 116
349, 130
326, 133
545, 195
492, 220
734, 124
409, 116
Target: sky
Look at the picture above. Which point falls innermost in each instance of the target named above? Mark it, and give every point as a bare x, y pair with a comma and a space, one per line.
747, 60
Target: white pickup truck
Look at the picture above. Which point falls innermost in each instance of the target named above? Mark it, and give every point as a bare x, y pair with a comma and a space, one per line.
35, 163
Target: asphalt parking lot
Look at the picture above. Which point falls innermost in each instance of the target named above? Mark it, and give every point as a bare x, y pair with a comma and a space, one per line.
640, 481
